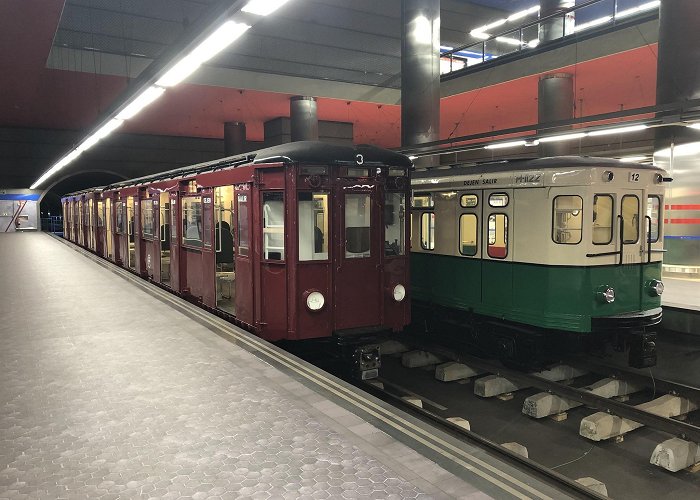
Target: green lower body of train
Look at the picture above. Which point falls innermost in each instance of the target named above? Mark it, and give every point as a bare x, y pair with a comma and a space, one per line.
557, 304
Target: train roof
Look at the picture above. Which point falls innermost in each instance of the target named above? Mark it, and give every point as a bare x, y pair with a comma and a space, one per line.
292, 152
533, 164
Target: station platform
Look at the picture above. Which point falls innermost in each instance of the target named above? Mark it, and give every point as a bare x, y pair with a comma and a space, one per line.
113, 388
681, 293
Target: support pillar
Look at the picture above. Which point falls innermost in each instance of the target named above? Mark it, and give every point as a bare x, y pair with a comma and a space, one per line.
676, 147
234, 138
420, 71
304, 118
555, 101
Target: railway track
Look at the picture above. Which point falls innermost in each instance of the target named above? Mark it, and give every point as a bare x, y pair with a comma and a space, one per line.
626, 401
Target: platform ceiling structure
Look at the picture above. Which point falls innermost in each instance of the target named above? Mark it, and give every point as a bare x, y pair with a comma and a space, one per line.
79, 56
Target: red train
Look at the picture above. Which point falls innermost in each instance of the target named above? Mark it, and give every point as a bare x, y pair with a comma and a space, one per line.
297, 241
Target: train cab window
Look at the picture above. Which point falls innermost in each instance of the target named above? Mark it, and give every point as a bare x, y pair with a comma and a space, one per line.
423, 200
567, 220
192, 220
602, 219
498, 200
498, 236
468, 234
630, 217
120, 217
100, 214
394, 224
358, 212
654, 213
273, 225
358, 172
427, 231
468, 200
147, 222
313, 226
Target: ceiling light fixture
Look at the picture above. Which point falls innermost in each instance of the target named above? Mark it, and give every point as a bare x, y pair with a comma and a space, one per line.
142, 100
503, 145
224, 36
263, 7
592, 24
481, 32
638, 9
565, 137
618, 130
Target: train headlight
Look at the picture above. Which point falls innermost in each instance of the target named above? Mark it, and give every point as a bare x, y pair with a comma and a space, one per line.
315, 301
606, 294
399, 293
655, 288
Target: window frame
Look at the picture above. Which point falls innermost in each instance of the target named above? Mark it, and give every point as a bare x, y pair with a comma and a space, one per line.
581, 214
147, 203
263, 232
491, 195
401, 225
622, 203
187, 242
612, 218
476, 236
422, 215
428, 194
659, 218
507, 243
465, 195
328, 219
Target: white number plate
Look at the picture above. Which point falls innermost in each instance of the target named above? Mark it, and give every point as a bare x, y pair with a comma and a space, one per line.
634, 176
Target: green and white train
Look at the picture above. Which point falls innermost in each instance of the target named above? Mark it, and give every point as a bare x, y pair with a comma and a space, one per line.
530, 257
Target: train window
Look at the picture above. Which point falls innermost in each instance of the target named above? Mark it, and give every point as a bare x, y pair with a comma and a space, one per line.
273, 225
654, 213
243, 225
630, 217
100, 214
358, 212
147, 218
498, 200
567, 219
427, 230
469, 200
394, 224
423, 200
498, 236
313, 170
313, 226
358, 172
192, 221
396, 172
120, 217
468, 234
603, 209
173, 221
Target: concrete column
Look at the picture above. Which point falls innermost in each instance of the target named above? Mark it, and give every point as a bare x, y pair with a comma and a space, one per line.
558, 26
304, 118
420, 71
234, 138
555, 102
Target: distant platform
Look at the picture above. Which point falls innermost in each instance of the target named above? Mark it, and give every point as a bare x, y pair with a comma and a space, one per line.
681, 293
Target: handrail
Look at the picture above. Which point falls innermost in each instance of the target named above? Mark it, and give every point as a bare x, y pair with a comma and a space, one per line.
648, 218
561, 14
621, 221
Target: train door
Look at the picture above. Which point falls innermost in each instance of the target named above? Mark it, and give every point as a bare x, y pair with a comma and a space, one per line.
163, 239
469, 221
174, 250
225, 274
91, 224
208, 288
121, 247
357, 277
243, 257
631, 243
109, 228
272, 304
150, 224
100, 235
130, 223
496, 249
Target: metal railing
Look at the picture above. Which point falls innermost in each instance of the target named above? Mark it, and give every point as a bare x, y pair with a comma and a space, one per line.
592, 14
52, 224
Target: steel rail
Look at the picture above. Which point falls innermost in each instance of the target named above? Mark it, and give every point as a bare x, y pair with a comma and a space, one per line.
576, 488
668, 425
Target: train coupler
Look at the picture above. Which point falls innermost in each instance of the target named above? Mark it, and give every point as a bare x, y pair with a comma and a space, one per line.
642, 352
365, 361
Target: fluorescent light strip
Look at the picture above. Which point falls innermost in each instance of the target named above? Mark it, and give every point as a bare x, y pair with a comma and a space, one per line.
618, 130
633, 159
695, 126
592, 24
263, 7
144, 99
565, 137
503, 145
638, 9
481, 32
212, 45
508, 40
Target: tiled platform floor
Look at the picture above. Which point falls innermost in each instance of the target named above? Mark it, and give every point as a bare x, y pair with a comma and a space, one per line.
108, 392
681, 293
